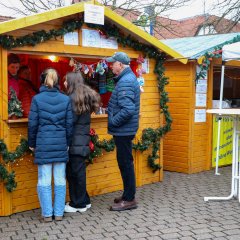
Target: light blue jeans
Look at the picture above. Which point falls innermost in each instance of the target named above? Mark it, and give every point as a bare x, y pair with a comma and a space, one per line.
44, 188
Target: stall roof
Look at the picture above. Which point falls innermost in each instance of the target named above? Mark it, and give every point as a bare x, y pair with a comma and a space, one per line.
61, 12
195, 47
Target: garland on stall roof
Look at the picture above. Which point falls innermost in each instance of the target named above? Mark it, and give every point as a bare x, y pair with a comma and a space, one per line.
209, 55
10, 42
150, 137
10, 157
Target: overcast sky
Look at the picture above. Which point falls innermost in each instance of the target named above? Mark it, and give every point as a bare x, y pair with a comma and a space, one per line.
195, 8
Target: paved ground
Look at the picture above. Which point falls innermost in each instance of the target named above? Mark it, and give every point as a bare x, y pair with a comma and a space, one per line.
173, 209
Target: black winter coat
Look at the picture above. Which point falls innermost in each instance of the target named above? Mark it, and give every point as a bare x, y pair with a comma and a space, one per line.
80, 138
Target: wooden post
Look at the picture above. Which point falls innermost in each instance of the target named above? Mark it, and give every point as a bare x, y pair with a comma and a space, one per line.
6, 196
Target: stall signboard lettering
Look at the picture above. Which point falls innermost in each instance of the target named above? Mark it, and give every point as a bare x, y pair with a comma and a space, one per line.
225, 149
200, 115
145, 65
201, 86
92, 38
93, 14
109, 43
71, 38
201, 100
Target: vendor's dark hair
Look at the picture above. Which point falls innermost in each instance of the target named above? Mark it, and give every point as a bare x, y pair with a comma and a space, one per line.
13, 58
23, 68
84, 99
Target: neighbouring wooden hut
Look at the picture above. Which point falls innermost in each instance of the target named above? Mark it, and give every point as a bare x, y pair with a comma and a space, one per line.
63, 33
190, 147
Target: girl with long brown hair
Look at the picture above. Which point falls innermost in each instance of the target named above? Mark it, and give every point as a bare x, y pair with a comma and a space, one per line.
84, 102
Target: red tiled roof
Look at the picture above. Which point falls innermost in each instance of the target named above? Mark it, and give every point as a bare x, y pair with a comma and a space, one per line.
4, 18
168, 28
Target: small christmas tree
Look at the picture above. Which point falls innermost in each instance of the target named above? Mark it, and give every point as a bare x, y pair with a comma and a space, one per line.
14, 105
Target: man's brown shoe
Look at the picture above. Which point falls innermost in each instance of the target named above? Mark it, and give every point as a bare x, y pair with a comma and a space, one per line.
117, 200
124, 205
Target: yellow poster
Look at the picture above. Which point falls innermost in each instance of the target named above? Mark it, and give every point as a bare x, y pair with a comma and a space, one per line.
225, 150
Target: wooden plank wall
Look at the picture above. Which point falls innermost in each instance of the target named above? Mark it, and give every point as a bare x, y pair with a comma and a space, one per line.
103, 176
150, 118
202, 134
177, 143
187, 146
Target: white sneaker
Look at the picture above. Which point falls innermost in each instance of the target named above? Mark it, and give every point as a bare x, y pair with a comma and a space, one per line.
88, 205
70, 209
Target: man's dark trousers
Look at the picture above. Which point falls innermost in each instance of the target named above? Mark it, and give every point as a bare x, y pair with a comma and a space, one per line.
126, 166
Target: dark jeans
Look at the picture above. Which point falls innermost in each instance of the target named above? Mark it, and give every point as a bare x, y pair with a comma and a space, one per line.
126, 166
76, 176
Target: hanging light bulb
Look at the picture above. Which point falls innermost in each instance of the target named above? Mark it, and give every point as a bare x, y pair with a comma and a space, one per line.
53, 58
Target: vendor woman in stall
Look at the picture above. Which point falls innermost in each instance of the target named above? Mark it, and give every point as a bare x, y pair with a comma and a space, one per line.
13, 67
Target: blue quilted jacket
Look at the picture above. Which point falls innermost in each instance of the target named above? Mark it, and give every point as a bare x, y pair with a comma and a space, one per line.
50, 126
123, 106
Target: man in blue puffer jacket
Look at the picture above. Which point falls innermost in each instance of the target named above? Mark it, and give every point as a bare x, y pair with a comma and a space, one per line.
123, 120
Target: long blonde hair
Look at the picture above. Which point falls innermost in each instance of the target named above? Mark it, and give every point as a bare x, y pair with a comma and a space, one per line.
51, 77
84, 98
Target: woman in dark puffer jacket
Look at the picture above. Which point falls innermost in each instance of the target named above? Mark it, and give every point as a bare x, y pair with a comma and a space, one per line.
49, 132
84, 102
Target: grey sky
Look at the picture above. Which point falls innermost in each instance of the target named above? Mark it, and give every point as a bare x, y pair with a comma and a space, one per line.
195, 8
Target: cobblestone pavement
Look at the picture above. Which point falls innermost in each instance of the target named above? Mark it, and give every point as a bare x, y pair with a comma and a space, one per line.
172, 209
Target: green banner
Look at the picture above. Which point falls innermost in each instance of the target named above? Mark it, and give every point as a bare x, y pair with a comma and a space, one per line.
225, 151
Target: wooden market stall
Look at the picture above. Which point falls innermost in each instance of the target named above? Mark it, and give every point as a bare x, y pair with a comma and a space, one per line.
84, 47
190, 147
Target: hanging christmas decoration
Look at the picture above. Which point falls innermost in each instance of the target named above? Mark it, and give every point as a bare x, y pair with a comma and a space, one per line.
14, 105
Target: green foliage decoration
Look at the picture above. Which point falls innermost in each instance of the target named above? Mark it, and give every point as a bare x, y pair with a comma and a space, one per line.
10, 157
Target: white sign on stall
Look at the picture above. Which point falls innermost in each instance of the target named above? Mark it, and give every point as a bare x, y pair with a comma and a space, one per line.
110, 43
201, 100
200, 115
71, 38
91, 38
145, 65
93, 14
201, 86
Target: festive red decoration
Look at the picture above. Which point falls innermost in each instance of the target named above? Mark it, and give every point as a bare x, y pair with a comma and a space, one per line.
91, 146
92, 132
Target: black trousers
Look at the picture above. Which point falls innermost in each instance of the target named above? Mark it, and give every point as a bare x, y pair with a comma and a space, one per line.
126, 166
76, 176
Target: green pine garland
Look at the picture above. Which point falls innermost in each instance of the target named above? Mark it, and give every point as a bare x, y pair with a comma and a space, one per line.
10, 157
150, 137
